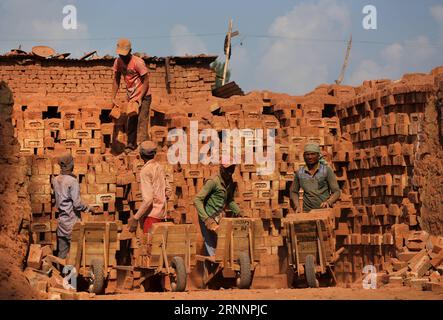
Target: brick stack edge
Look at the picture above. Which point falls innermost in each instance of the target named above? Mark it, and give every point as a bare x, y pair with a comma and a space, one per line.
368, 134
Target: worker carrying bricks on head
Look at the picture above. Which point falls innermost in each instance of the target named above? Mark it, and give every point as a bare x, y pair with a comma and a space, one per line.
68, 203
135, 74
318, 181
216, 194
155, 189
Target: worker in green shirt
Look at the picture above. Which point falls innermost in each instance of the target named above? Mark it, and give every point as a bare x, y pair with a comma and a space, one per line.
318, 181
210, 202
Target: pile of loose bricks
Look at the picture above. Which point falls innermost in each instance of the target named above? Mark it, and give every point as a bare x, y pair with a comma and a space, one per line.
368, 136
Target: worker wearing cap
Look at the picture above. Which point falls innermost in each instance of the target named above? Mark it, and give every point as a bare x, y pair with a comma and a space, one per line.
216, 194
68, 203
155, 190
318, 181
135, 74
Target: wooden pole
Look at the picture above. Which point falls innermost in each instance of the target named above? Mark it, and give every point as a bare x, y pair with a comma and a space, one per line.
345, 63
227, 53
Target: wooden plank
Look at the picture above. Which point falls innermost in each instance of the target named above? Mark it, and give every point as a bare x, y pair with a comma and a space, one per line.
84, 254
297, 257
227, 244
79, 246
106, 247
321, 254
188, 252
308, 235
231, 247
165, 256
98, 245
97, 236
94, 225
289, 243
307, 227
174, 244
251, 244
174, 237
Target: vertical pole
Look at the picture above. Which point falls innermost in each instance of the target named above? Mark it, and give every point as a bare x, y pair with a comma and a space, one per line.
227, 53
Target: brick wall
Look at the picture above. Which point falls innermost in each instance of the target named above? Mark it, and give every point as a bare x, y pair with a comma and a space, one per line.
189, 77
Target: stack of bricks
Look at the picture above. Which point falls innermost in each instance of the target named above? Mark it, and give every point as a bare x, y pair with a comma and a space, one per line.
256, 194
368, 135
65, 106
382, 122
297, 121
188, 82
111, 183
306, 120
41, 130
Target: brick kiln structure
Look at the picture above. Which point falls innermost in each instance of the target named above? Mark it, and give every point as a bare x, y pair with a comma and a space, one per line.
372, 136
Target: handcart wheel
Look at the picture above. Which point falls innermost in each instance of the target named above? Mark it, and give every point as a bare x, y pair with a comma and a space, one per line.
310, 272
178, 283
98, 276
245, 278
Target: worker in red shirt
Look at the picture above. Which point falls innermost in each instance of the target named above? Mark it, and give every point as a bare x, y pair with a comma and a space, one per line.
135, 74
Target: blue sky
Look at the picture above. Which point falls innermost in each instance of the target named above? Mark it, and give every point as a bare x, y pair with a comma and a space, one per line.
283, 46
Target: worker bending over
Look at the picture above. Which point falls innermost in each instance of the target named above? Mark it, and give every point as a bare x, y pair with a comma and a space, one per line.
210, 202
135, 73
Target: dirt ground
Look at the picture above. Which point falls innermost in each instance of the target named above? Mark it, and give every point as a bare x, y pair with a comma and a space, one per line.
331, 293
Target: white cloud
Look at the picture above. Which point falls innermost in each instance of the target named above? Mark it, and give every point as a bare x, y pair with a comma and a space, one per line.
414, 55
297, 66
366, 70
184, 42
31, 23
394, 52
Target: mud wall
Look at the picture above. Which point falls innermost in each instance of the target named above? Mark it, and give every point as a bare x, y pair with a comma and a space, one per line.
15, 210
428, 171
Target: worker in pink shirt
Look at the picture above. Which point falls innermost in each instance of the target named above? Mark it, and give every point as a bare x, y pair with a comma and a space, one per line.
135, 74
155, 189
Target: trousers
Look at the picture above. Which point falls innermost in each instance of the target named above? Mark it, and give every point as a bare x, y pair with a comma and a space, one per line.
137, 125
210, 239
